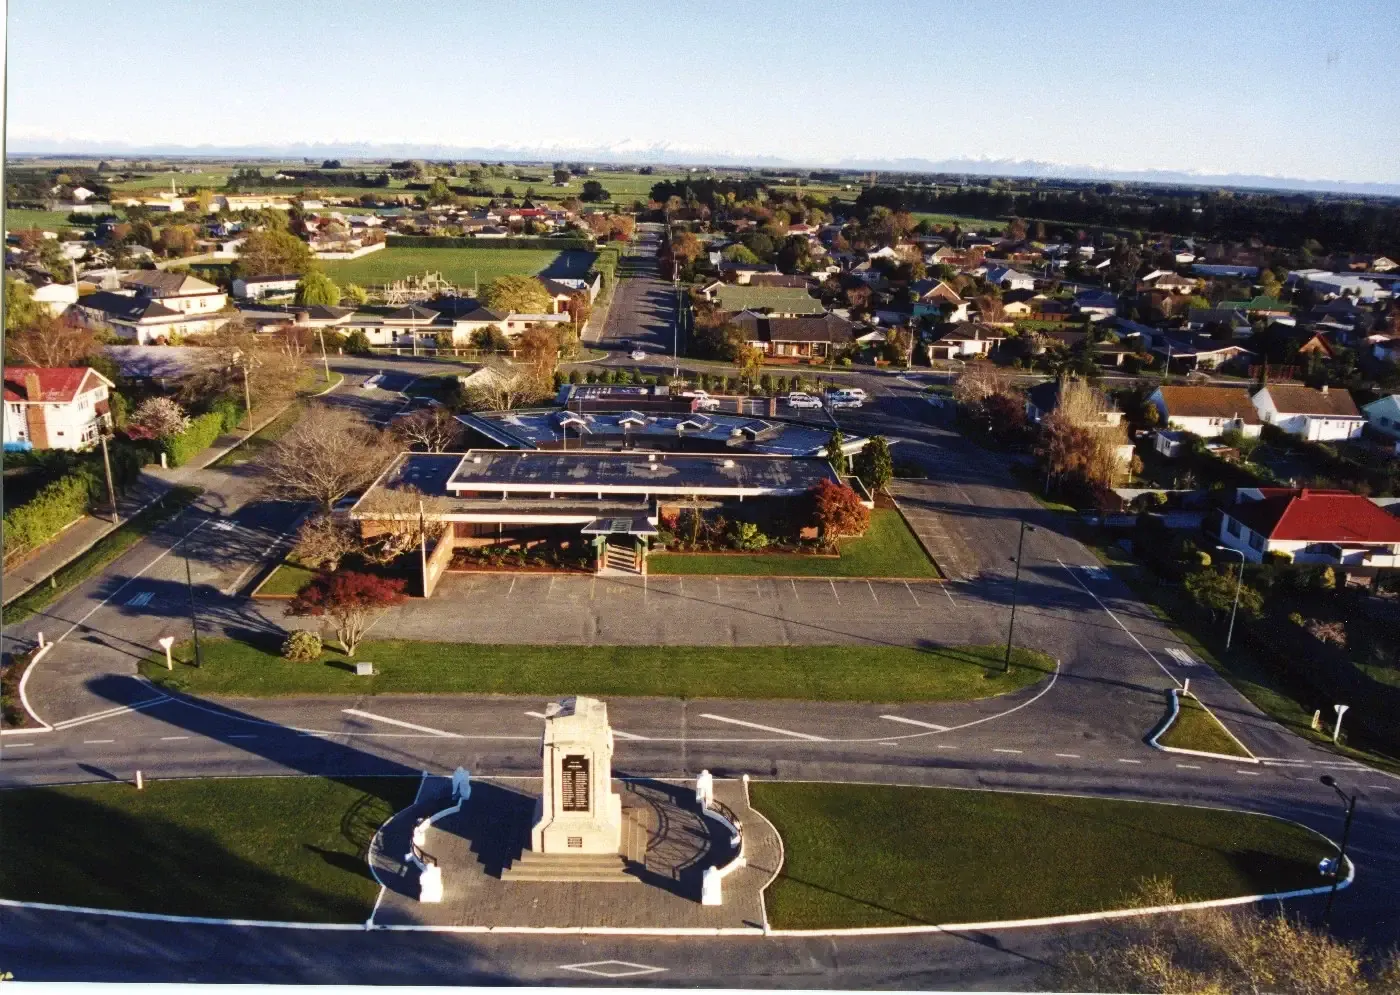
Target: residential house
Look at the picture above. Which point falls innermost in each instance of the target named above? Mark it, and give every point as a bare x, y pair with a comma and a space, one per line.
966, 340
1384, 415
1386, 350
142, 319
1308, 412
1170, 282
1199, 351
779, 280
931, 296
1008, 279
61, 408
1096, 304
1207, 411
1311, 526
1329, 285
742, 273
780, 302
801, 337
177, 291
255, 288
1199, 318
56, 297
1226, 270
1259, 307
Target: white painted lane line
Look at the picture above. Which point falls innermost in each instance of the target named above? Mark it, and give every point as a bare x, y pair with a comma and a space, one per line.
1119, 621
628, 735
398, 722
763, 728
911, 594
535, 715
1068, 756
915, 722
1189, 766
83, 720
944, 585
999, 750
11, 746
946, 746
795, 595
889, 743
1121, 760
872, 591
243, 735
94, 742
833, 590
1248, 773
1341, 765
166, 739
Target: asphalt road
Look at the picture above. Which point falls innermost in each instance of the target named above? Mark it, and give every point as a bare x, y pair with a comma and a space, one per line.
1082, 734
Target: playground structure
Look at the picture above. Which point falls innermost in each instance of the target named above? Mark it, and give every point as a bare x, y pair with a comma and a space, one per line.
414, 289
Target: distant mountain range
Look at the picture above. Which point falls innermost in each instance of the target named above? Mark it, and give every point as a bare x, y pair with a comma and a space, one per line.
636, 153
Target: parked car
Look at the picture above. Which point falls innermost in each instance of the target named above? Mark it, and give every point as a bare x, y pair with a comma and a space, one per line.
845, 398
801, 399
707, 403
639, 354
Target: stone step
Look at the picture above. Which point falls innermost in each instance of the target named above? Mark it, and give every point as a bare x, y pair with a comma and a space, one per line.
593, 867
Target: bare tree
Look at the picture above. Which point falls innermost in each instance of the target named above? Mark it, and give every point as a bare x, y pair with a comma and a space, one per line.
326, 455
399, 519
980, 381
324, 540
500, 387
435, 429
50, 342
235, 352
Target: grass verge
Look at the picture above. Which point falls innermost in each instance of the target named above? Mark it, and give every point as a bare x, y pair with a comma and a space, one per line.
813, 673
253, 446
876, 855
285, 581
288, 848
107, 549
1196, 728
888, 549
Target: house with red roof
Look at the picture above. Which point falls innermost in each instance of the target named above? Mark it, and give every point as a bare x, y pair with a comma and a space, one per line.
1338, 528
58, 408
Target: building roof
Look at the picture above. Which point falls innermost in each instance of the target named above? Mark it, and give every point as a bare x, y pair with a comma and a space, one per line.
1210, 402
809, 328
272, 278
1317, 516
162, 284
1295, 399
57, 385
123, 307
784, 300
971, 331
414, 312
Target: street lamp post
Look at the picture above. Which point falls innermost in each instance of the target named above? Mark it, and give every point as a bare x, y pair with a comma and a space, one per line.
1350, 801
1239, 581
321, 336
1015, 587
194, 619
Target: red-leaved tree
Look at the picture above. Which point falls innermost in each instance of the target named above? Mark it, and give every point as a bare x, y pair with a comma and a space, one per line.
352, 600
839, 511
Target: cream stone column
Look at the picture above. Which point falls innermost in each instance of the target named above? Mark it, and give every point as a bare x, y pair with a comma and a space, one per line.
577, 811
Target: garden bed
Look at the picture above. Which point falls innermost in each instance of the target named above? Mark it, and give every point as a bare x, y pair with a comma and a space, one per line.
1195, 727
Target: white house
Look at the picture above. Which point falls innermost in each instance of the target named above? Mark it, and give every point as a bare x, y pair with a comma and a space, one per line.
60, 408
1384, 415
965, 340
57, 297
1207, 411
1310, 413
255, 288
177, 291
1311, 526
1009, 279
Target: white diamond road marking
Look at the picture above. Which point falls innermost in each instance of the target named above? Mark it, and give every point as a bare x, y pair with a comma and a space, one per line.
612, 968
140, 599
1183, 658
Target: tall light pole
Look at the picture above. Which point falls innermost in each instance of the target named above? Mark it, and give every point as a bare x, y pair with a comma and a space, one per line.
1239, 581
321, 336
107, 469
1350, 801
194, 619
1015, 586
676, 332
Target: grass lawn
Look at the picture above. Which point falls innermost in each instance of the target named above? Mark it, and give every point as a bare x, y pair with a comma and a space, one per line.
981, 224
876, 855
888, 549
287, 579
288, 848
814, 673
114, 544
19, 219
461, 266
1196, 728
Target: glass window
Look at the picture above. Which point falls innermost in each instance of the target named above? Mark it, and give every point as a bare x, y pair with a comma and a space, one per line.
1256, 541
1233, 527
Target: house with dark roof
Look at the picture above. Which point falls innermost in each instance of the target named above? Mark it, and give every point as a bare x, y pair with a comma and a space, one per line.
793, 280
801, 337
1311, 526
1384, 415
966, 340
1207, 411
142, 319
54, 408
1316, 414
177, 291
1200, 318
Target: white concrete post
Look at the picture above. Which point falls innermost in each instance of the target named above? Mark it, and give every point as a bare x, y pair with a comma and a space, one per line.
165, 643
140, 785
41, 640
711, 887
1317, 720
461, 784
164, 462
1186, 686
430, 884
420, 833
705, 789
1337, 729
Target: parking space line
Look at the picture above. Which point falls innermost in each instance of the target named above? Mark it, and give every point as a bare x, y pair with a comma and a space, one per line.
1248, 773
998, 750
1189, 766
944, 585
1068, 756
911, 595
93, 742
1121, 760
833, 590
166, 739
794, 589
763, 728
511, 590
915, 722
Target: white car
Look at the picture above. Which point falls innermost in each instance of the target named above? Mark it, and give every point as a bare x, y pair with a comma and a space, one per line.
639, 354
798, 399
706, 403
856, 392
844, 399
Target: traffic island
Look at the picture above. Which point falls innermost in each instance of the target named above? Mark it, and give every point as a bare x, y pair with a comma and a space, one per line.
1192, 728
880, 856
269, 848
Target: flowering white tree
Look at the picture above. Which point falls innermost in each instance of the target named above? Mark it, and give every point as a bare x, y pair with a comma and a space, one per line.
156, 418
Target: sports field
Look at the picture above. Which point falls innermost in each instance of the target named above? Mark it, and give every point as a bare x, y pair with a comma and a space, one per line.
464, 267
18, 219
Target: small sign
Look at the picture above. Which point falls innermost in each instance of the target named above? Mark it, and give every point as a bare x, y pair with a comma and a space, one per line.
364, 668
574, 783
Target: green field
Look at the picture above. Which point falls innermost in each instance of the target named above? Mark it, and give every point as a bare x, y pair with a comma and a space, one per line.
281, 848
981, 224
18, 219
1197, 728
815, 673
464, 267
888, 549
867, 855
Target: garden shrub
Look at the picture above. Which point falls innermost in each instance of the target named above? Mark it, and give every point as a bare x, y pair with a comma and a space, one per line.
203, 430
301, 646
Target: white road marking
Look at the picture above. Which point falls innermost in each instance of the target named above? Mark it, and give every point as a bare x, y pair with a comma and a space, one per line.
911, 594
763, 728
612, 968
944, 585
628, 735
1119, 621
794, 589
999, 750
166, 739
1182, 657
510, 590
915, 722
93, 742
1341, 765
243, 735
872, 591
11, 746
1121, 760
535, 715
1189, 766
224, 526
1068, 756
140, 599
397, 722
833, 590
946, 746
1248, 773
888, 743
228, 592
108, 713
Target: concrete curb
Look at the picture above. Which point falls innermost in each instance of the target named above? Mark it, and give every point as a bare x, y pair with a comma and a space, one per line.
39, 654
1161, 730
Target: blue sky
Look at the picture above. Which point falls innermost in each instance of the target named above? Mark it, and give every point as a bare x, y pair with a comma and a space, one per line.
1274, 88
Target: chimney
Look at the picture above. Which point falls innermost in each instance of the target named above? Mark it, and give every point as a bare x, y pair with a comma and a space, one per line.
34, 418
32, 391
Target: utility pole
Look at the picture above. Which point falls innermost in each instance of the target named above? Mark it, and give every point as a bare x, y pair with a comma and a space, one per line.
1015, 586
321, 336
247, 396
107, 468
194, 619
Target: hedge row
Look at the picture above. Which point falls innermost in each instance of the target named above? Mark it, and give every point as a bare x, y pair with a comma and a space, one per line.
68, 498
1330, 463
467, 242
204, 429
